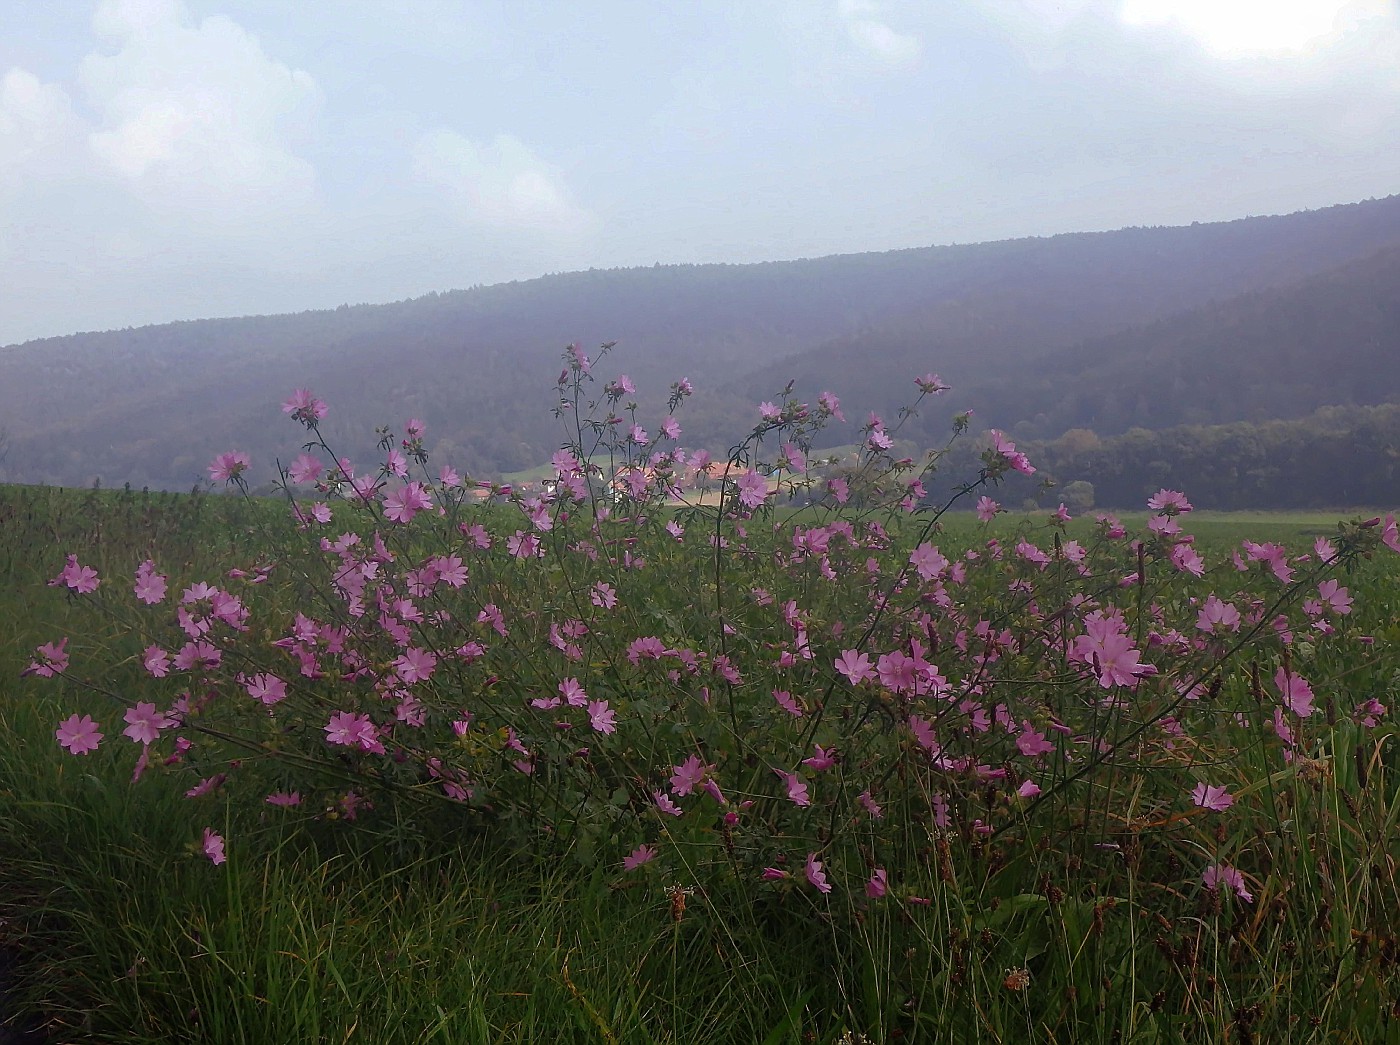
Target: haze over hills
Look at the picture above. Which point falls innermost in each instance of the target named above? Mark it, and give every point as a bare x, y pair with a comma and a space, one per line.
1258, 318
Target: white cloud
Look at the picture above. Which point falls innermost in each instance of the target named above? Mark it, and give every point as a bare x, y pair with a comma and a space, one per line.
872, 35
502, 183
36, 119
196, 111
1231, 28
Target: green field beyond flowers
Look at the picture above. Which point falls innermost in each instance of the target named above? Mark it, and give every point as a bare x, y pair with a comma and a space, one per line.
379, 762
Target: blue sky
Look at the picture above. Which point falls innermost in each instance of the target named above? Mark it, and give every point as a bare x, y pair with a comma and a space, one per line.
173, 159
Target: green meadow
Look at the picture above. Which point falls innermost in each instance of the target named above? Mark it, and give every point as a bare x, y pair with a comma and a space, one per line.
421, 922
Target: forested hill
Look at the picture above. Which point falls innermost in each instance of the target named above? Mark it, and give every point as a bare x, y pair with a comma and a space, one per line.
1016, 322
1332, 339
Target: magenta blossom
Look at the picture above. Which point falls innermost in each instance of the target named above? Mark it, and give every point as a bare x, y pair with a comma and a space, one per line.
1296, 692
82, 579
601, 717
304, 407
52, 660
855, 666
213, 846
797, 791
1216, 799
687, 776
351, 730
752, 489
305, 469
815, 875
227, 467
1169, 501
144, 723
878, 885
643, 854
1217, 875
403, 504
78, 735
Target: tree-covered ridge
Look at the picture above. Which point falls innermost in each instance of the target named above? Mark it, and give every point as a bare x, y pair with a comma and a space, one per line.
1334, 458
1101, 330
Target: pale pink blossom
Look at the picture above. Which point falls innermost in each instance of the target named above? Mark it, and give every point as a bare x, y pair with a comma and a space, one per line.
78, 735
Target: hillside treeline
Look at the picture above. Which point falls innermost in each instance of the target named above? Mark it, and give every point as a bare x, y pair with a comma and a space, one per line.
1335, 457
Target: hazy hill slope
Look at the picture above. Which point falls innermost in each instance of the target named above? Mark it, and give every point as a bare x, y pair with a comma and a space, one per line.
152, 405
1333, 339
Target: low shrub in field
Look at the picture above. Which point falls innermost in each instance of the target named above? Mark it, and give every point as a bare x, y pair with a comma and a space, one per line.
837, 707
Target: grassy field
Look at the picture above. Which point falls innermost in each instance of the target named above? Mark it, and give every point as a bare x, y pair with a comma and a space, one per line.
423, 922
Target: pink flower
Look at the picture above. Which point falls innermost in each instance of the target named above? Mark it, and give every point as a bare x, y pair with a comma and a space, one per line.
305, 469
797, 791
878, 885
571, 691
815, 874
793, 457
1390, 533
871, 806
403, 504
1296, 692
643, 854
1169, 501
687, 776
78, 735
1185, 558
648, 647
284, 799
855, 666
51, 660
415, 665
1006, 450
1028, 789
787, 703
207, 786
1332, 593
266, 688
156, 661
1216, 799
1217, 616
664, 803
351, 730
82, 579
523, 545
602, 718
1033, 744
144, 723
603, 595
150, 586
1217, 875
229, 466
987, 509
213, 846
928, 561
304, 407
752, 488
823, 760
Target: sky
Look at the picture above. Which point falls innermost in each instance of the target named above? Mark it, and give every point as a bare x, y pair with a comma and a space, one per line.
179, 159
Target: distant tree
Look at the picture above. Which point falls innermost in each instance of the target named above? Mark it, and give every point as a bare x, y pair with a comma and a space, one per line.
1078, 496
